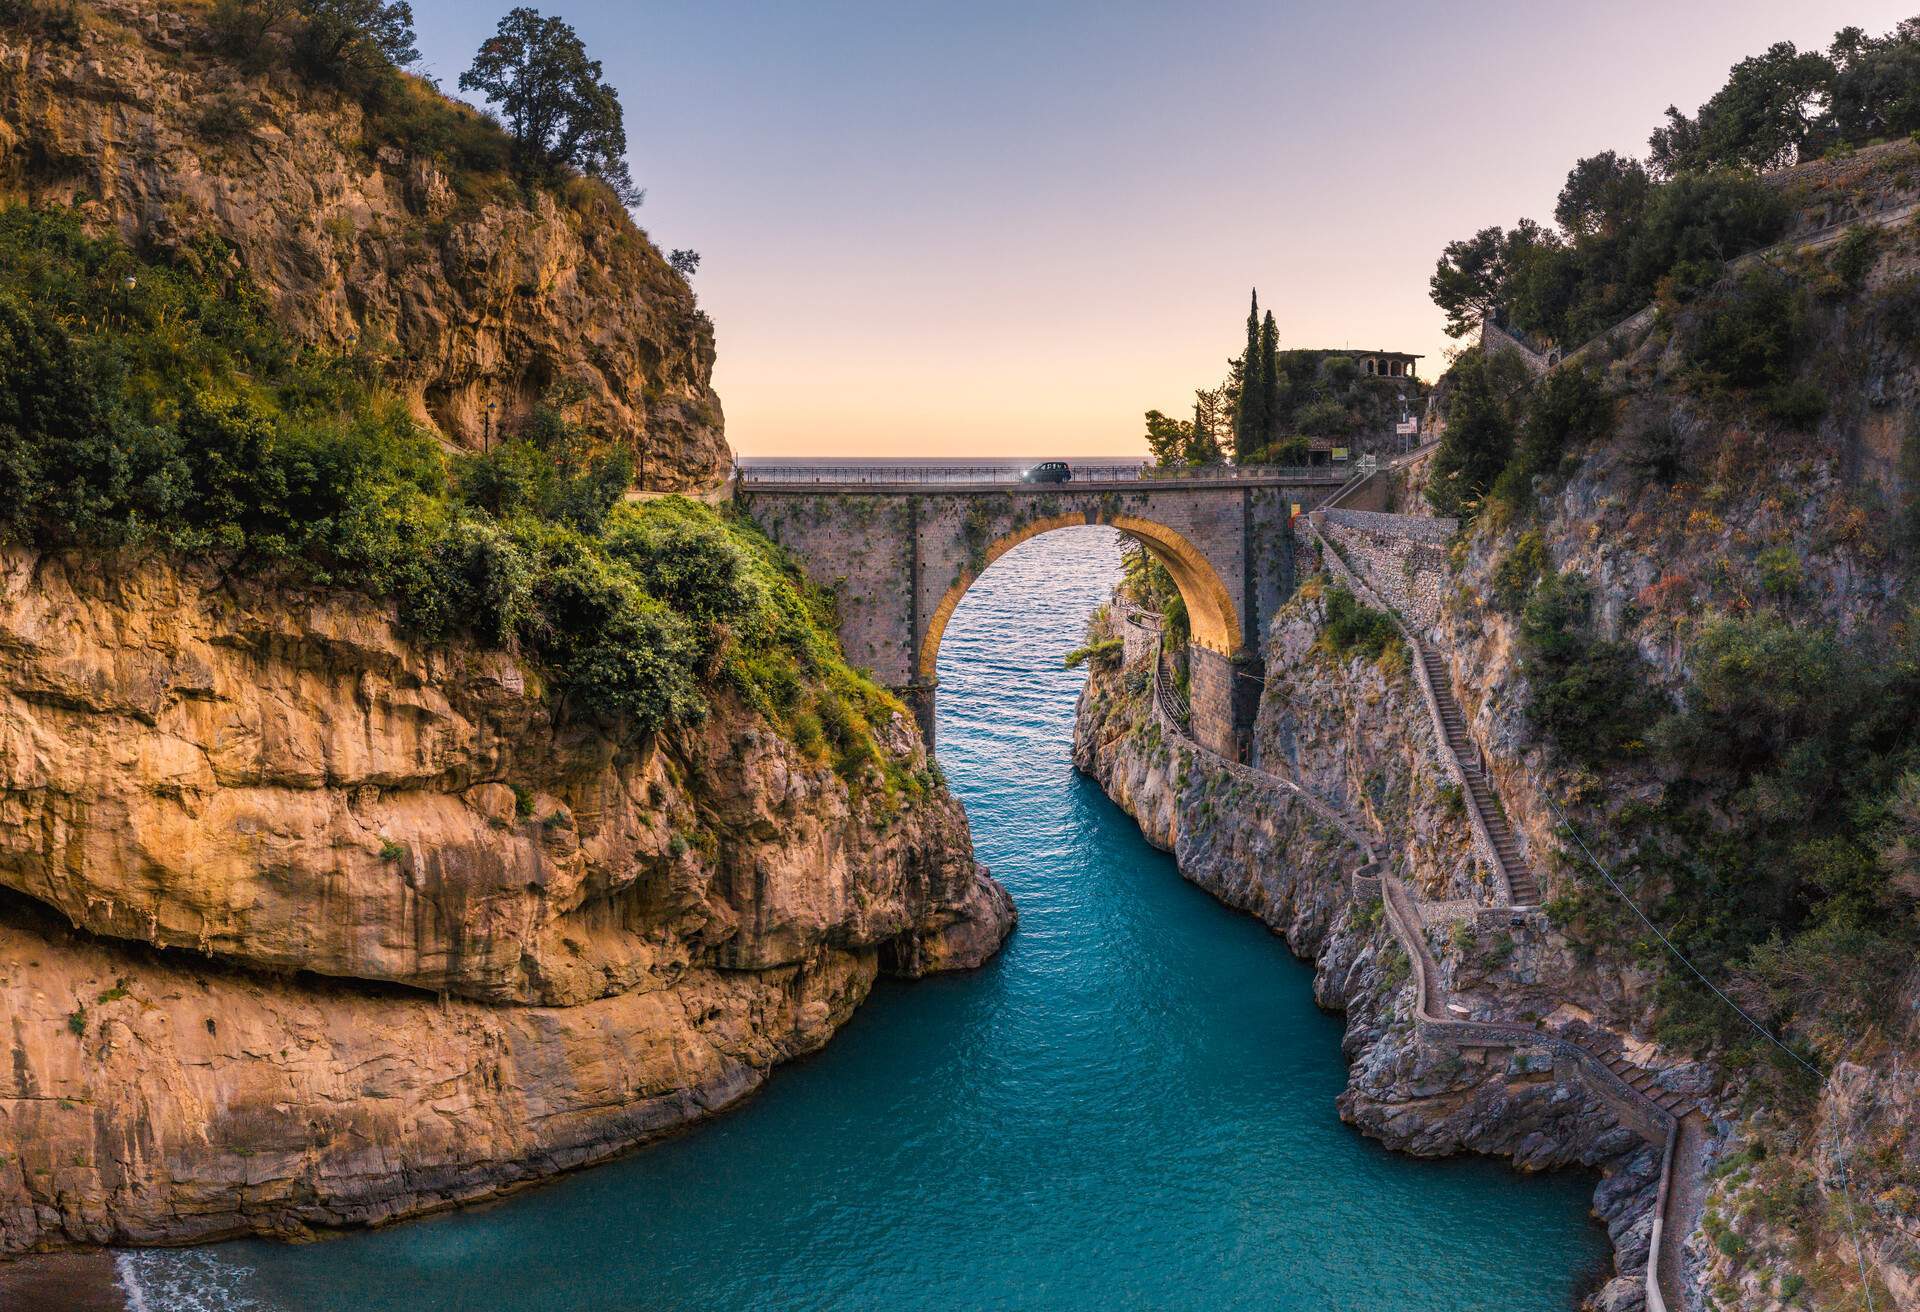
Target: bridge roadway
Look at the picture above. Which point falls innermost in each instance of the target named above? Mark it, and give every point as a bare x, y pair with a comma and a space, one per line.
964, 478
899, 545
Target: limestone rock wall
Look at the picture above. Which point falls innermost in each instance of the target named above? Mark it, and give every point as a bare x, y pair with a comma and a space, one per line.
465, 290
357, 929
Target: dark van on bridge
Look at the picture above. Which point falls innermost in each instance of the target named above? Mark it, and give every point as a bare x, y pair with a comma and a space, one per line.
1048, 471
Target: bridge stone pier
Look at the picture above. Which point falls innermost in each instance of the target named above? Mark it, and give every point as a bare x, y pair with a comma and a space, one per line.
900, 555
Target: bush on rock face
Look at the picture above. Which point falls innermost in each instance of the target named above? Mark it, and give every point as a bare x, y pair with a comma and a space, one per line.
156, 405
1349, 628
1587, 694
1744, 334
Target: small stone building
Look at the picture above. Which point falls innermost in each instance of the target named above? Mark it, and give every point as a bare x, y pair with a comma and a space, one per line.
1386, 364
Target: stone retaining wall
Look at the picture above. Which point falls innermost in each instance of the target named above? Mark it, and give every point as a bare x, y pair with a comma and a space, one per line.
1139, 633
1403, 557
1430, 529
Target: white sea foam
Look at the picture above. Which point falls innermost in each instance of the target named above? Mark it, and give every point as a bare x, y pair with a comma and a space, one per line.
184, 1280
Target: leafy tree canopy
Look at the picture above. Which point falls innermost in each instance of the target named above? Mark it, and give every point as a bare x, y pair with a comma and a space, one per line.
351, 44
343, 37
1771, 108
1473, 274
556, 102
1626, 227
1602, 195
1483, 418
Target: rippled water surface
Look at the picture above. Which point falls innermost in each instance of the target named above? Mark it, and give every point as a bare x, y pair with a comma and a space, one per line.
1131, 1108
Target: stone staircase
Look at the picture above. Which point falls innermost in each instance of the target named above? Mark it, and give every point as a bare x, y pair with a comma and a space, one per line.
1606, 1046
1524, 888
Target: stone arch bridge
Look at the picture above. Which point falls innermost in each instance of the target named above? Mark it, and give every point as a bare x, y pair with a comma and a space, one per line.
899, 547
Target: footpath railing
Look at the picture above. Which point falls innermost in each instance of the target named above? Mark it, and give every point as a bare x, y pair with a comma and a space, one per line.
1657, 1121
830, 475
1165, 695
1262, 780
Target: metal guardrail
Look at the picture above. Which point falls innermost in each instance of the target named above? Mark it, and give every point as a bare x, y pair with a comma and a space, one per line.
1164, 692
788, 475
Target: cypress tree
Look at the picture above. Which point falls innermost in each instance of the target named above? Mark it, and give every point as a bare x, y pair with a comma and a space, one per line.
1270, 380
1250, 412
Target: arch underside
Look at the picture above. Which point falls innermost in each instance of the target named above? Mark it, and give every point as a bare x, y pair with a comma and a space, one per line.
1211, 613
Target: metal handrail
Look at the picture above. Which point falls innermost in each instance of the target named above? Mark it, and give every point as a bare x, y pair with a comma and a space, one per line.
1164, 692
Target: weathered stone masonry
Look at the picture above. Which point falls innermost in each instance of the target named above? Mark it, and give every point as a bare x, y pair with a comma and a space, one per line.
899, 558
1404, 557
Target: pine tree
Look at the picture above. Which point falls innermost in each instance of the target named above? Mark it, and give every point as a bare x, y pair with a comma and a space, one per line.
1250, 414
1270, 380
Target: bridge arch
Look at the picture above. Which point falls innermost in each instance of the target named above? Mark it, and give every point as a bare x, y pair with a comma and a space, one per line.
899, 548
1210, 606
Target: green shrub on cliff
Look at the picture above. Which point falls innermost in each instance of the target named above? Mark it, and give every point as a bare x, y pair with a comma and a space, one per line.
1519, 569
1779, 855
1586, 693
155, 405
1348, 628
1744, 334
1101, 651
1483, 419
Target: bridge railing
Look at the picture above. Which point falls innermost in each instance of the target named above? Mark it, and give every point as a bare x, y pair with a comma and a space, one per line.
785, 475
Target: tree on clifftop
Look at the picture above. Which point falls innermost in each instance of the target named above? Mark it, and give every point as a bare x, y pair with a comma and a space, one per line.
1271, 380
1473, 274
1603, 196
342, 39
559, 108
351, 44
1770, 113
1167, 439
1250, 416
1483, 419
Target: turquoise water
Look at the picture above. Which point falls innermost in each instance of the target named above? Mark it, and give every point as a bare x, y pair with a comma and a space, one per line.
1132, 1107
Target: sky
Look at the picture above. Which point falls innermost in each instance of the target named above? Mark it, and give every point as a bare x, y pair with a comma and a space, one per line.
999, 228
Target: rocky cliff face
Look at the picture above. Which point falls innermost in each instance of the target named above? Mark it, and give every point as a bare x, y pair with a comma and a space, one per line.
1358, 735
1809, 521
463, 289
307, 926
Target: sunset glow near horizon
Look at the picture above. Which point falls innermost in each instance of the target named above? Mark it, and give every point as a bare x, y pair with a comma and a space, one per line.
1008, 229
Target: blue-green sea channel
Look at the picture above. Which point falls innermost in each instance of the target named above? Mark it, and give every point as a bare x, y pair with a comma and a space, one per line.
1131, 1107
